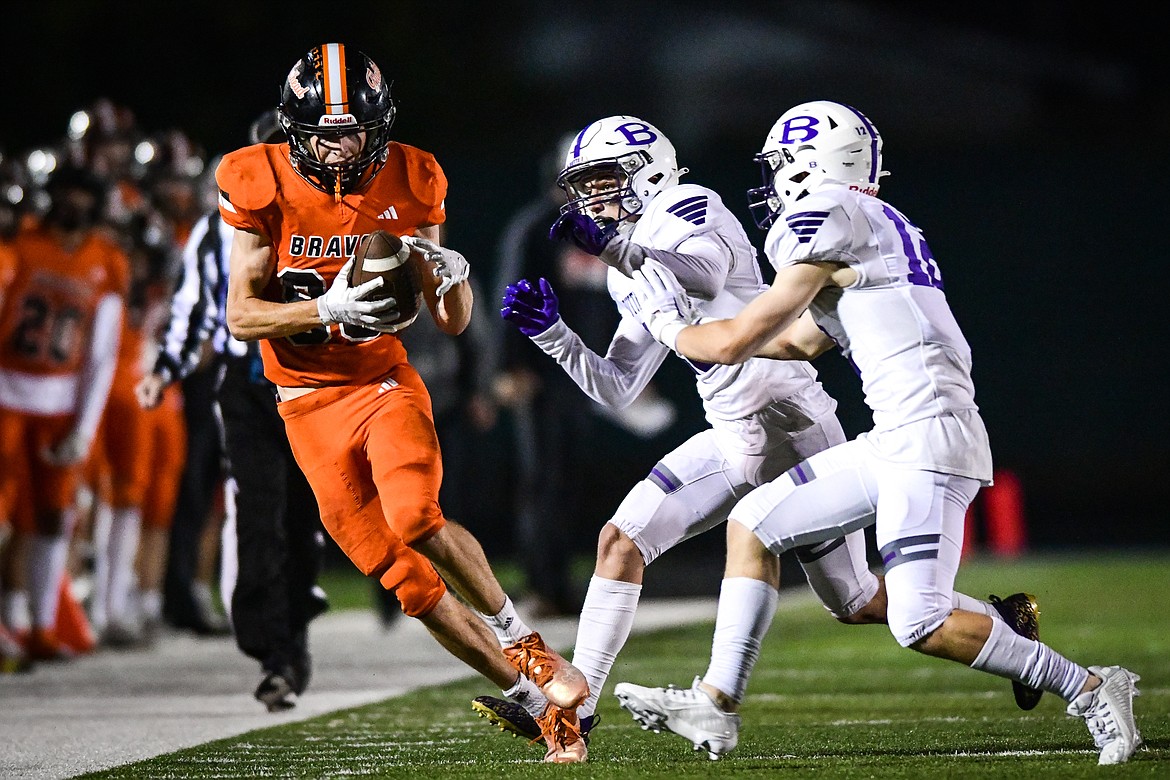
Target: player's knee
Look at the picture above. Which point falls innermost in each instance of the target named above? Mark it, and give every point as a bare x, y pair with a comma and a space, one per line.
415, 583
616, 549
914, 627
873, 612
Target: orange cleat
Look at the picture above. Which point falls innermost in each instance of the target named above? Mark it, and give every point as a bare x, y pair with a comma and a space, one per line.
562, 733
560, 681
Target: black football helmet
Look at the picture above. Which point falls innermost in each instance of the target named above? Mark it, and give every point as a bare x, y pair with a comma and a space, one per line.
335, 91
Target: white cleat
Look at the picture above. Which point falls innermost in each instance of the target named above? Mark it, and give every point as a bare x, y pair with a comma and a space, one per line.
691, 713
1108, 712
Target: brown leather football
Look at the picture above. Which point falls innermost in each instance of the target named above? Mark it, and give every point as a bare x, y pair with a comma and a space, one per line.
382, 254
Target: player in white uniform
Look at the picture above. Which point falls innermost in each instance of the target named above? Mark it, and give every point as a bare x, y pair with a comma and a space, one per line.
853, 272
626, 206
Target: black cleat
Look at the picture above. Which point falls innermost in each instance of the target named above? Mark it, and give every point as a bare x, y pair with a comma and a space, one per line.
276, 692
514, 719
1022, 614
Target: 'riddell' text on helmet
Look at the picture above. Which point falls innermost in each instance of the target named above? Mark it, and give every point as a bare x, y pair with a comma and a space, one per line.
633, 156
331, 92
811, 146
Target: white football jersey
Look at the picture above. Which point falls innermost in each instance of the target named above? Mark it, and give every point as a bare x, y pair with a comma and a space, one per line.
690, 219
895, 327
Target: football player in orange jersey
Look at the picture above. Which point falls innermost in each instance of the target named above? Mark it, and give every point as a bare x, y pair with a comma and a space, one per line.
357, 415
59, 333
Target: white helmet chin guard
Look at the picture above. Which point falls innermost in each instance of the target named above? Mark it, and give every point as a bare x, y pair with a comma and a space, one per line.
810, 146
633, 154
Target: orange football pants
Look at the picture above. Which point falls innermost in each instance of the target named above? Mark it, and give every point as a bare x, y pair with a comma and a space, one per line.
371, 455
29, 486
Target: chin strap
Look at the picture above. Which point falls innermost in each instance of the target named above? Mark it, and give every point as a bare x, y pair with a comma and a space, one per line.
337, 187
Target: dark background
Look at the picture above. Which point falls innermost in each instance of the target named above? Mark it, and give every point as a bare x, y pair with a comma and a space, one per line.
1030, 142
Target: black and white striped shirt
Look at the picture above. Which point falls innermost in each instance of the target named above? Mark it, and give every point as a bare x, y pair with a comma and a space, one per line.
199, 305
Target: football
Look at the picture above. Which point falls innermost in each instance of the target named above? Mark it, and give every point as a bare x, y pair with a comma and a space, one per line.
382, 254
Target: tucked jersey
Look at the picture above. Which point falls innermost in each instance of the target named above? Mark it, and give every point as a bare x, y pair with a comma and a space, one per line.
894, 324
47, 317
314, 235
690, 219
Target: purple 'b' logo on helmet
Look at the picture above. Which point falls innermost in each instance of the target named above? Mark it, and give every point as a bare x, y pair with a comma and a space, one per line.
637, 133
799, 129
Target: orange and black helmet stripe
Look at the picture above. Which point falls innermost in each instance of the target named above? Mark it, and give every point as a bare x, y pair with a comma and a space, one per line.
333, 78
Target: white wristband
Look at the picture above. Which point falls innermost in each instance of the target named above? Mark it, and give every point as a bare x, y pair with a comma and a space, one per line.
668, 335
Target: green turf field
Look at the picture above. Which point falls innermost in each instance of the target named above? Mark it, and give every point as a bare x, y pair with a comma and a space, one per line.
826, 701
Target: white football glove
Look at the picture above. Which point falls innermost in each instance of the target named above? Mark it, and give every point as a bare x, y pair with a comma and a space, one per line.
70, 450
660, 303
353, 305
450, 265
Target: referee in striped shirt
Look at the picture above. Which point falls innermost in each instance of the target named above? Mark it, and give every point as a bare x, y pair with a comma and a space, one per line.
273, 538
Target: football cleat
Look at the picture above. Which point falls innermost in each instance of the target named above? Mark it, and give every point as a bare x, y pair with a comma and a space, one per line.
1022, 615
1108, 712
562, 734
691, 713
513, 719
276, 692
560, 681
13, 659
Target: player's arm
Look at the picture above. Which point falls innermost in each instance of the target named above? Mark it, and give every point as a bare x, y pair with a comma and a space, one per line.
772, 311
450, 307
249, 315
802, 340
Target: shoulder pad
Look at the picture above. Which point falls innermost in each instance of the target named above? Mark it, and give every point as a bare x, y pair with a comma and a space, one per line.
245, 177
427, 181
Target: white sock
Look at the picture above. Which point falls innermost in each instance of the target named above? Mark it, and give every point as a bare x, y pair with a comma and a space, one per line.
507, 625
527, 695
16, 614
47, 556
1007, 654
606, 619
103, 519
746, 608
123, 548
151, 603
970, 604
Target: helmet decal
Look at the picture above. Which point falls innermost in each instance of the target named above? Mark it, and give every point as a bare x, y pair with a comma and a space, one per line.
638, 133
805, 125
373, 76
294, 82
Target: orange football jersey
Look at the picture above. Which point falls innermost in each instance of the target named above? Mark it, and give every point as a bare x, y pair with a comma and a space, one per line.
50, 304
314, 235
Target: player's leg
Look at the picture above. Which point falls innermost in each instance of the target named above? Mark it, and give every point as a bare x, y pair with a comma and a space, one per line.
403, 452
920, 538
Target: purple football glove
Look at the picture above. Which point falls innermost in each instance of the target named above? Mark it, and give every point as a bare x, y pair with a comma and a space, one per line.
582, 231
533, 310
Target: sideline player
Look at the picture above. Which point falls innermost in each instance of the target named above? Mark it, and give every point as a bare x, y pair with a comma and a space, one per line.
358, 416
627, 206
59, 332
854, 272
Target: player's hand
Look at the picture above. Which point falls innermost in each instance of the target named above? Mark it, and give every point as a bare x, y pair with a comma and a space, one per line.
451, 266
660, 303
583, 231
149, 391
533, 310
386, 319
69, 451
353, 305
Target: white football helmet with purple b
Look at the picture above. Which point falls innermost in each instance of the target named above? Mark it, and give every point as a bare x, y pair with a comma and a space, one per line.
810, 146
633, 155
